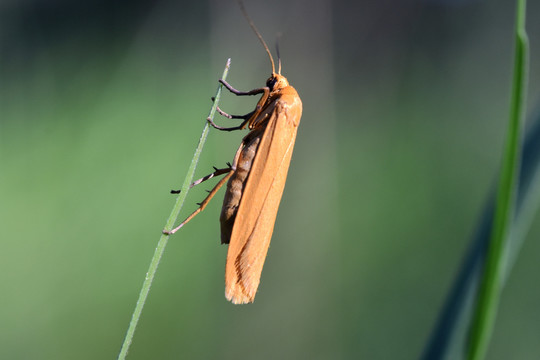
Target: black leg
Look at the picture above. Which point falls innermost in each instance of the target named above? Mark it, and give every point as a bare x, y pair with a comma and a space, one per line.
239, 127
217, 172
228, 116
223, 113
241, 93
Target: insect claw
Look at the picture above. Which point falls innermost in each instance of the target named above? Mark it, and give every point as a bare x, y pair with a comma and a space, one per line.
215, 168
229, 165
213, 98
176, 191
199, 204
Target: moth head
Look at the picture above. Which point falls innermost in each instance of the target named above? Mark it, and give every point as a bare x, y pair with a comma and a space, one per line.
277, 82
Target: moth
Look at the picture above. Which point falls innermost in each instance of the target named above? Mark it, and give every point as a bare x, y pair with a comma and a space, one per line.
255, 179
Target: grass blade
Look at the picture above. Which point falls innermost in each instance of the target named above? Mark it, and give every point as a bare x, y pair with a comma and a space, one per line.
449, 337
492, 275
160, 248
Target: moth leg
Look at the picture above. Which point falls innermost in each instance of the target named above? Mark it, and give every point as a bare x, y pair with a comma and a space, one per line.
255, 113
202, 205
239, 127
217, 172
213, 192
246, 118
228, 116
243, 93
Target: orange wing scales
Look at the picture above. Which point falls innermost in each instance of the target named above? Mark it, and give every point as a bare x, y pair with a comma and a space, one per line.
256, 213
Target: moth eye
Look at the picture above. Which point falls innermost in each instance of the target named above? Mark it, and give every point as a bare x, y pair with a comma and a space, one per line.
271, 82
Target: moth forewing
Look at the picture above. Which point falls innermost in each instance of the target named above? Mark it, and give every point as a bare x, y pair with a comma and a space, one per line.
261, 195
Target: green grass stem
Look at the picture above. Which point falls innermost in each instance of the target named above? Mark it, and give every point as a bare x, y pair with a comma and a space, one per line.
492, 276
162, 243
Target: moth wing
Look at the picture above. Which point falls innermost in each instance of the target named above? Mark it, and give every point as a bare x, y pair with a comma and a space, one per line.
257, 211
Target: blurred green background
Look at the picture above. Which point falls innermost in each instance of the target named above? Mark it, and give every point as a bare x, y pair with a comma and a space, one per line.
101, 107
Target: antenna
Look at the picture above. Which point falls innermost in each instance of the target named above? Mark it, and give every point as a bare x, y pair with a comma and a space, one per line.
241, 4
278, 56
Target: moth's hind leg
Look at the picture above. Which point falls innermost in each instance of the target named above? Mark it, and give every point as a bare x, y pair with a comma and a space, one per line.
217, 172
230, 170
203, 204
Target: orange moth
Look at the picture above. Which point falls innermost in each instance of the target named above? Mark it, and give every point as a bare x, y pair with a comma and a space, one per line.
256, 180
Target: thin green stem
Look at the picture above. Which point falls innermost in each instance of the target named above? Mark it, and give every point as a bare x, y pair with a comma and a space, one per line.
492, 277
170, 223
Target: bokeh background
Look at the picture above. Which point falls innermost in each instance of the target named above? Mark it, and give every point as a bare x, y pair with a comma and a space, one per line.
101, 107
